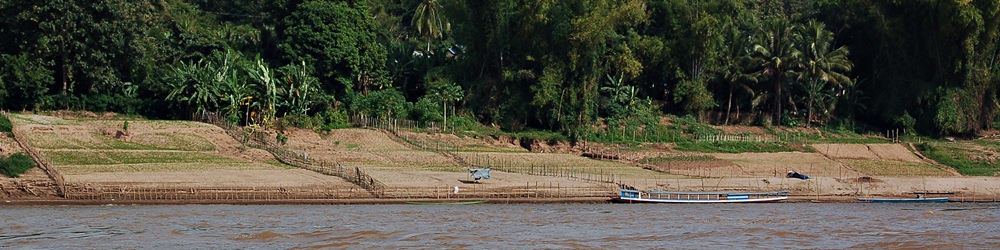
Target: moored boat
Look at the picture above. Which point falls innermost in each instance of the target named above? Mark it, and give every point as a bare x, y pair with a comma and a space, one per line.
656, 196
920, 199
447, 202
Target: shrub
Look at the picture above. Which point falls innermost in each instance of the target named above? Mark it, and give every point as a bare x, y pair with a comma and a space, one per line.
16, 164
425, 110
5, 125
282, 138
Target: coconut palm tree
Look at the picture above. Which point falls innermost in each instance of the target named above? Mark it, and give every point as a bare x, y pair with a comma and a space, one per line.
779, 58
429, 21
822, 64
735, 70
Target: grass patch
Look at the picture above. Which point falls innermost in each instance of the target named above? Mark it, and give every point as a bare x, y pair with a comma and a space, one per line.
5, 125
961, 159
38, 119
163, 167
78, 158
352, 145
112, 143
53, 140
895, 168
84, 140
732, 147
167, 157
16, 164
175, 141
127, 157
680, 158
80, 140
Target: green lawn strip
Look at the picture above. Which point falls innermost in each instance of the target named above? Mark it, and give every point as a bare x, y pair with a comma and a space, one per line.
163, 167
133, 157
175, 141
112, 143
60, 158
895, 168
680, 158
956, 156
126, 157
732, 147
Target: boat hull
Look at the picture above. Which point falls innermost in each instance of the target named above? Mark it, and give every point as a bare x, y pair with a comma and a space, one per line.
904, 200
447, 202
683, 201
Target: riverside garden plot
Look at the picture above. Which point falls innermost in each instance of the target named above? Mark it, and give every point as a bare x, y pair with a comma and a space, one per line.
405, 167
158, 153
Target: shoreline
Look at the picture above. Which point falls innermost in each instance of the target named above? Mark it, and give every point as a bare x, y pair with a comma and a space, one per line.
374, 201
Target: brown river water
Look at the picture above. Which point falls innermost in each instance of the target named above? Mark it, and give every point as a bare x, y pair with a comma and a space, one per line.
491, 226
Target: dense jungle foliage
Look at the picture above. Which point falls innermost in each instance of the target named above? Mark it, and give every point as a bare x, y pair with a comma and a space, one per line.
558, 65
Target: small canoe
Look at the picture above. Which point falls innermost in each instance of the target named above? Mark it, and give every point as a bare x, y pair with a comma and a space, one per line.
446, 202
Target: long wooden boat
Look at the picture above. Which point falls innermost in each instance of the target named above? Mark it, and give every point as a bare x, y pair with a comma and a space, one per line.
656, 196
446, 202
920, 199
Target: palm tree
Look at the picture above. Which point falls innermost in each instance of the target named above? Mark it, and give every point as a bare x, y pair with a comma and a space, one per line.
735, 67
429, 21
778, 56
822, 63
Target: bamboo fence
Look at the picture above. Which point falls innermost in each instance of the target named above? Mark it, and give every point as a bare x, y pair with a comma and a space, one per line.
140, 192
257, 139
46, 166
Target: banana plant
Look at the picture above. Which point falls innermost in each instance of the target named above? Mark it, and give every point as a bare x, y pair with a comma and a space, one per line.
262, 75
299, 82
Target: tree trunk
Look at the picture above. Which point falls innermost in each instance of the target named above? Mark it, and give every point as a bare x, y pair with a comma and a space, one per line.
444, 107
810, 115
777, 100
729, 106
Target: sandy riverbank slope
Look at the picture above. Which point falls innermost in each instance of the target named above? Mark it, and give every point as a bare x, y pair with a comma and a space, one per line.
199, 161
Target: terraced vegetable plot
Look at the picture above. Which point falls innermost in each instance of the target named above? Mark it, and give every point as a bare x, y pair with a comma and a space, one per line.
896, 168
368, 149
559, 163
134, 157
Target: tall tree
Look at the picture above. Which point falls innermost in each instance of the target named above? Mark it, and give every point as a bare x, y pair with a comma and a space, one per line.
430, 22
823, 64
776, 53
338, 38
736, 69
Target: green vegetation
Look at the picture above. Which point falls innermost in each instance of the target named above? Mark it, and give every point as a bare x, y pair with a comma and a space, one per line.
732, 147
135, 157
16, 164
895, 168
5, 125
680, 158
154, 141
598, 70
964, 160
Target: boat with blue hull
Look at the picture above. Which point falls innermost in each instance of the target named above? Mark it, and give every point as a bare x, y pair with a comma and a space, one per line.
920, 199
656, 196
